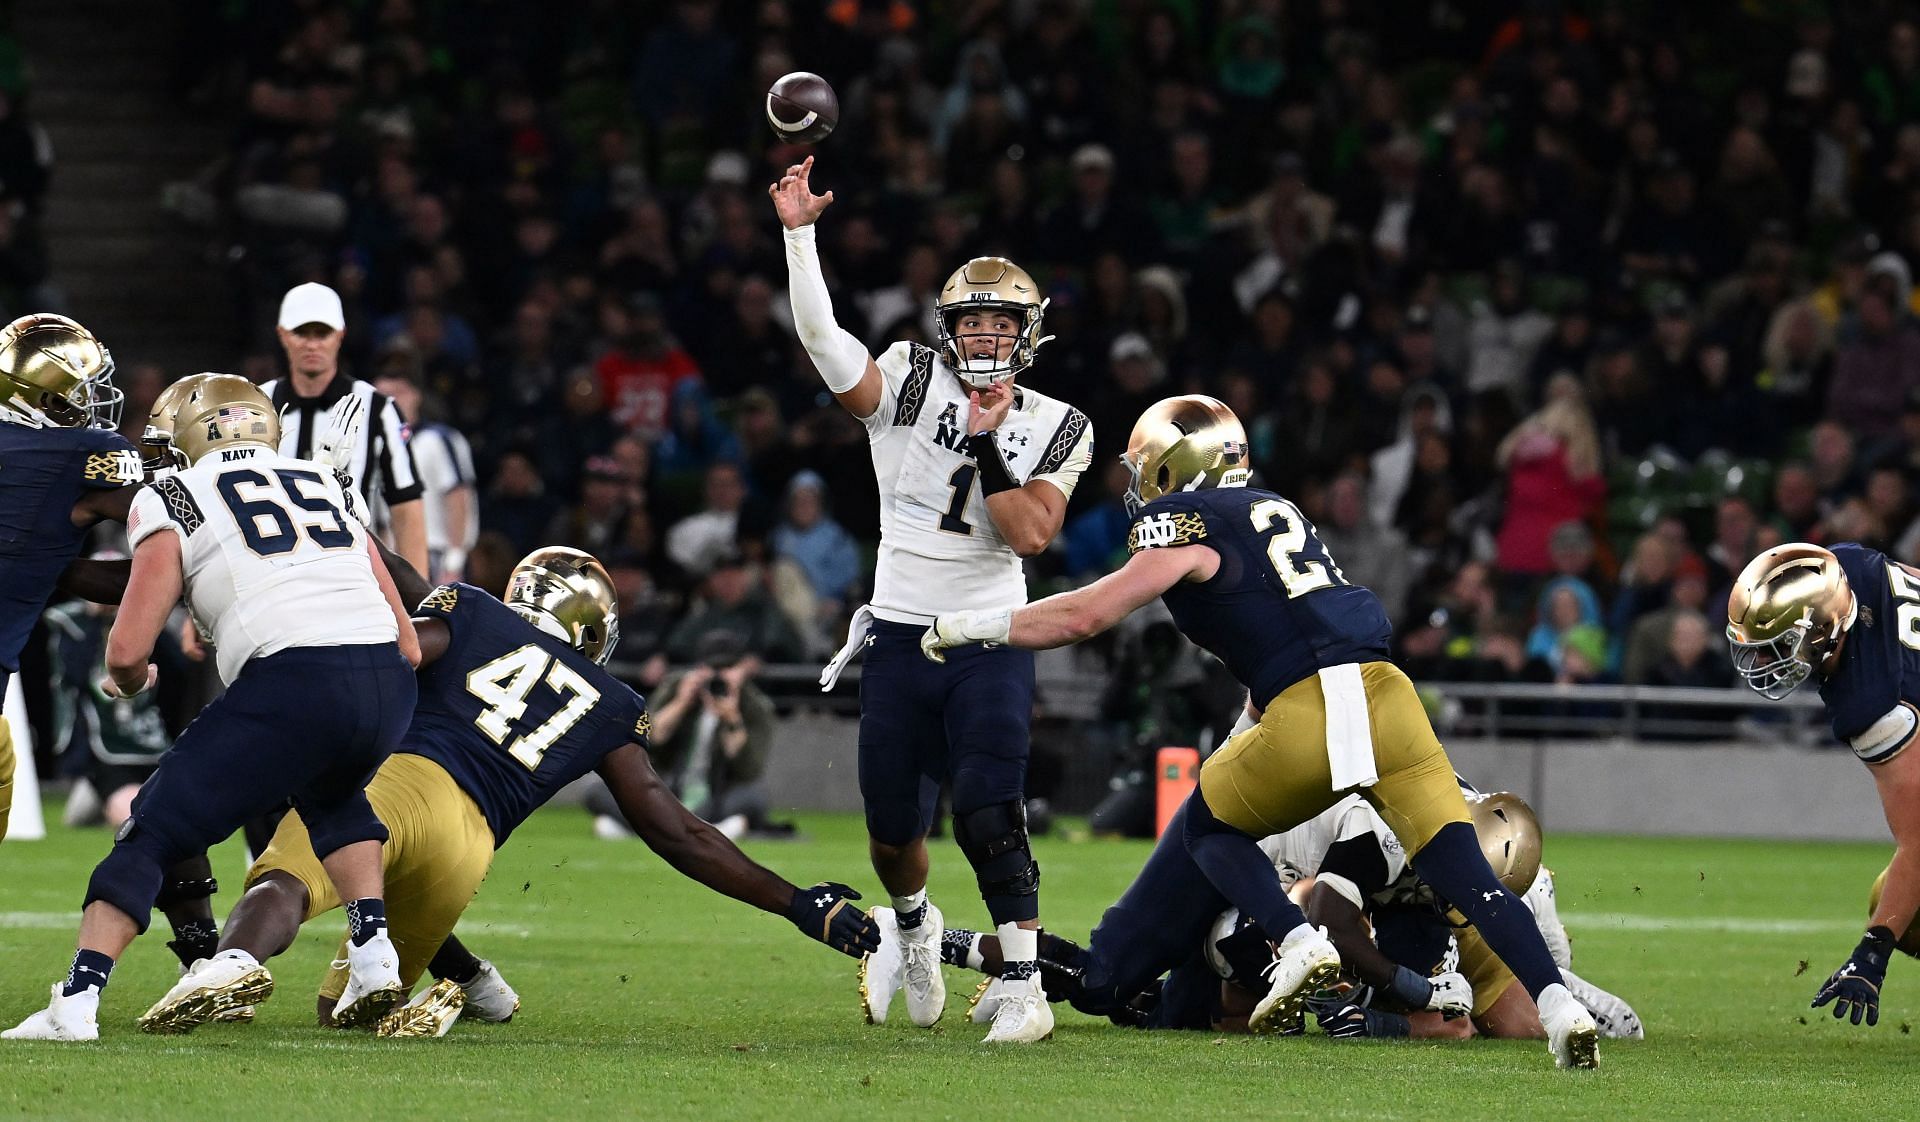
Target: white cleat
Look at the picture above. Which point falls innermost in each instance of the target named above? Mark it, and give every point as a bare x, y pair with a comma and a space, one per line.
883, 973
1572, 1035
489, 997
926, 987
1616, 1018
64, 1018
986, 1001
1021, 1014
1305, 963
1546, 916
212, 989
373, 984
431, 1013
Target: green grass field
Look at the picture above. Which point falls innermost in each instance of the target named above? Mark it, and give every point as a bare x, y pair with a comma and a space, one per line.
643, 995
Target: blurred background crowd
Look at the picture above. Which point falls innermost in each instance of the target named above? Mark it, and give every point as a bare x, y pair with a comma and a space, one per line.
1550, 314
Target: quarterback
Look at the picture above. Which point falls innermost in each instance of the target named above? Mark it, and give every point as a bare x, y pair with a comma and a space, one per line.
1247, 579
515, 704
974, 474
315, 649
1848, 618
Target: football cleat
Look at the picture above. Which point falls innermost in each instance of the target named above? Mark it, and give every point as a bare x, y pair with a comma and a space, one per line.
64, 1018
926, 986
883, 973
431, 1013
217, 988
489, 997
373, 984
1572, 1035
985, 1001
1304, 964
1539, 899
1616, 1018
1021, 1014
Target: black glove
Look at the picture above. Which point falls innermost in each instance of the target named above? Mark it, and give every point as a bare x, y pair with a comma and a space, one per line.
823, 912
1855, 987
1343, 1018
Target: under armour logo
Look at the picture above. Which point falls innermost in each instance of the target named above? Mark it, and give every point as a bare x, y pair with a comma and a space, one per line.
1019, 438
822, 901
1489, 896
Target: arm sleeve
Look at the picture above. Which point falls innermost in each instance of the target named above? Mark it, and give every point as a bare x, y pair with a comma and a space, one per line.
840, 358
1078, 457
399, 482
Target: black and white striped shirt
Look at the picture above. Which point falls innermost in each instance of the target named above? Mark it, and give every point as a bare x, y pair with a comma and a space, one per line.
382, 467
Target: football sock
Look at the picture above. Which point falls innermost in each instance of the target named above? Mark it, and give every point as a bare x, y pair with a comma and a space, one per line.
960, 947
1234, 865
1453, 865
365, 919
194, 939
910, 911
455, 962
1019, 952
90, 969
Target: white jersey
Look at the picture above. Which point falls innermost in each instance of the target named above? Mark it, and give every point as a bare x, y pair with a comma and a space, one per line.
444, 463
274, 551
938, 547
1297, 854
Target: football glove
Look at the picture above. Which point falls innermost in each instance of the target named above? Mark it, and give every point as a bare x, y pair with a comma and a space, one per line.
957, 629
1854, 989
1452, 995
824, 912
1343, 1018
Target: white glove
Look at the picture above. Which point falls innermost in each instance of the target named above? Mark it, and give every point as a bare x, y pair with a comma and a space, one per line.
957, 629
1452, 995
335, 443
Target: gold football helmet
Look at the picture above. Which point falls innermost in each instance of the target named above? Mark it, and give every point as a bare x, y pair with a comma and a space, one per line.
1790, 609
219, 410
1909, 943
157, 452
992, 284
1185, 443
1509, 836
55, 374
569, 595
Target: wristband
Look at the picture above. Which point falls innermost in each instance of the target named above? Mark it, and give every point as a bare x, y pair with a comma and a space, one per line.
994, 476
1410, 989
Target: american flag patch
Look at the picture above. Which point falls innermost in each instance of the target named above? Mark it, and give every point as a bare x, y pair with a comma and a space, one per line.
1232, 451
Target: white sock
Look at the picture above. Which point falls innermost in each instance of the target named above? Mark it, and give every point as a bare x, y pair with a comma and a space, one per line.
975, 960
910, 905
1019, 952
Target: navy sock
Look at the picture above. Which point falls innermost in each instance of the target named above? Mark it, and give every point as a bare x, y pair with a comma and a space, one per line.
912, 919
1234, 865
958, 947
454, 961
89, 969
194, 939
1453, 865
365, 919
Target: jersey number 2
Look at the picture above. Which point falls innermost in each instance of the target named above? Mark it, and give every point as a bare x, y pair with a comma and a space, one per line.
1299, 573
1906, 589
504, 684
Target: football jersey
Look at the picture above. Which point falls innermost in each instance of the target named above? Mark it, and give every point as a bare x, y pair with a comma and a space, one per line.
938, 546
1879, 665
43, 474
511, 712
1297, 853
1278, 610
274, 551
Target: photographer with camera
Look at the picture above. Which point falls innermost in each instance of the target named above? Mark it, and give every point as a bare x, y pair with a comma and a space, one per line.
711, 739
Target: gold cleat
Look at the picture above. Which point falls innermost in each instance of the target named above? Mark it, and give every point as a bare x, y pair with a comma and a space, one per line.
242, 1015
193, 1001
371, 1008
1583, 1049
979, 992
430, 1014
1286, 1016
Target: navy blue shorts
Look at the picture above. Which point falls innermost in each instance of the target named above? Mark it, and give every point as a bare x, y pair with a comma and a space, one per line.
1160, 922
310, 724
922, 722
1416, 938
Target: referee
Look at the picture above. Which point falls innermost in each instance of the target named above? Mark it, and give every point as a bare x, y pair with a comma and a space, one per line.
312, 326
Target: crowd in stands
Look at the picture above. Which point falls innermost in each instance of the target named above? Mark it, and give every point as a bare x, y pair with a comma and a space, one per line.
1551, 315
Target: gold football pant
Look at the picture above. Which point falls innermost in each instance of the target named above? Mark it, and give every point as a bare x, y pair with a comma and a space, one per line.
1484, 971
438, 850
6, 776
1275, 775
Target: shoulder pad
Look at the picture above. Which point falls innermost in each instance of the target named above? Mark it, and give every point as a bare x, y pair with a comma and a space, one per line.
118, 467
913, 388
1065, 438
1162, 529
442, 600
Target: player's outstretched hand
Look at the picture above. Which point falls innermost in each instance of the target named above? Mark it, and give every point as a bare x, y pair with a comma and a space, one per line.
794, 200
957, 629
825, 912
1854, 989
1452, 995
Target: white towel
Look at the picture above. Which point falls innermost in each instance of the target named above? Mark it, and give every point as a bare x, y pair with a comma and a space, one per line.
856, 637
1349, 731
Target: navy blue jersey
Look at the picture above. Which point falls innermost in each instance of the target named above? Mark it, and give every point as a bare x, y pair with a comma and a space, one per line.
513, 713
43, 474
1278, 610
1880, 663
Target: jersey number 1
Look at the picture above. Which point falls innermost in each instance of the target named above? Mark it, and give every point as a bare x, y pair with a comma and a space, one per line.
504, 684
962, 483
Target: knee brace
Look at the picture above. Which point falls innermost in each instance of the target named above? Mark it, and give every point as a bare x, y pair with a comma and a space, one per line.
994, 838
176, 890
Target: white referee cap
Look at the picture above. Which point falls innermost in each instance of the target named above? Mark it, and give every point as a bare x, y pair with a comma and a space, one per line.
312, 303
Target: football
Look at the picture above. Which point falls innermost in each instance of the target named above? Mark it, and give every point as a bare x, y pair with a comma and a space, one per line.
802, 108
